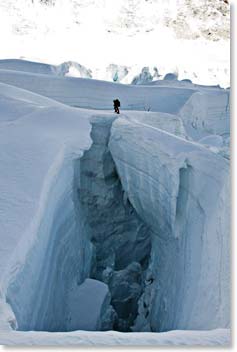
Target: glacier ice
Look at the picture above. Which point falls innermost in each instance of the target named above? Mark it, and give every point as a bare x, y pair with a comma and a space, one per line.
144, 77
174, 191
116, 73
134, 207
71, 68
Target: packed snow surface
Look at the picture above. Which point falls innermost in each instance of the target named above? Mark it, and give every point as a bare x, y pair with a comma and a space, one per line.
112, 222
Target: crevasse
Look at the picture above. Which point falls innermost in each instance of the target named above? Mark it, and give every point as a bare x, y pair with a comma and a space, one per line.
140, 231
121, 240
89, 230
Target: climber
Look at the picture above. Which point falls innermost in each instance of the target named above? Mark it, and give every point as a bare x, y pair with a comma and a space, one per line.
116, 105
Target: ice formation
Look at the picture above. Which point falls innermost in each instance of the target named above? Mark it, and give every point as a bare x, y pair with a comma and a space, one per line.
116, 73
184, 206
113, 222
170, 77
68, 68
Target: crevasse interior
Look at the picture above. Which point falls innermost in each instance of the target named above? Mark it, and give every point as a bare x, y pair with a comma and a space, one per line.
127, 255
94, 232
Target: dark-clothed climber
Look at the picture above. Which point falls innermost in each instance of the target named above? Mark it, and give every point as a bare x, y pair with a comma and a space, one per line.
116, 105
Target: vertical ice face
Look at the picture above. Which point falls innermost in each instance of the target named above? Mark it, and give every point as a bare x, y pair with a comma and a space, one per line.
181, 191
58, 261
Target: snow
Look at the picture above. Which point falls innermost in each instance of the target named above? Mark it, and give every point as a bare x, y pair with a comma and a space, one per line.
69, 68
100, 210
214, 140
79, 93
40, 146
204, 113
171, 184
26, 66
220, 337
134, 34
170, 77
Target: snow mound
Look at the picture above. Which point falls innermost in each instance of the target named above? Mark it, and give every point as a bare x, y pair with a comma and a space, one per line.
26, 66
68, 68
170, 77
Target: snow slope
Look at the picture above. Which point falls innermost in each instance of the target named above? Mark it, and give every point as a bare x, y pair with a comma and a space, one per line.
84, 93
95, 199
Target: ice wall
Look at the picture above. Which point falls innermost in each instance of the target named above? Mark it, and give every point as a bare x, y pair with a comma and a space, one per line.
181, 190
45, 251
53, 265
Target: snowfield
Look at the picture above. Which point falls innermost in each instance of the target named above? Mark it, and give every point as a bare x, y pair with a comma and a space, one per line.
112, 222
126, 41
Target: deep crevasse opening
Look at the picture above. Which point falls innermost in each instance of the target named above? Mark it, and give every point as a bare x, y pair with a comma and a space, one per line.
98, 266
121, 240
92, 252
